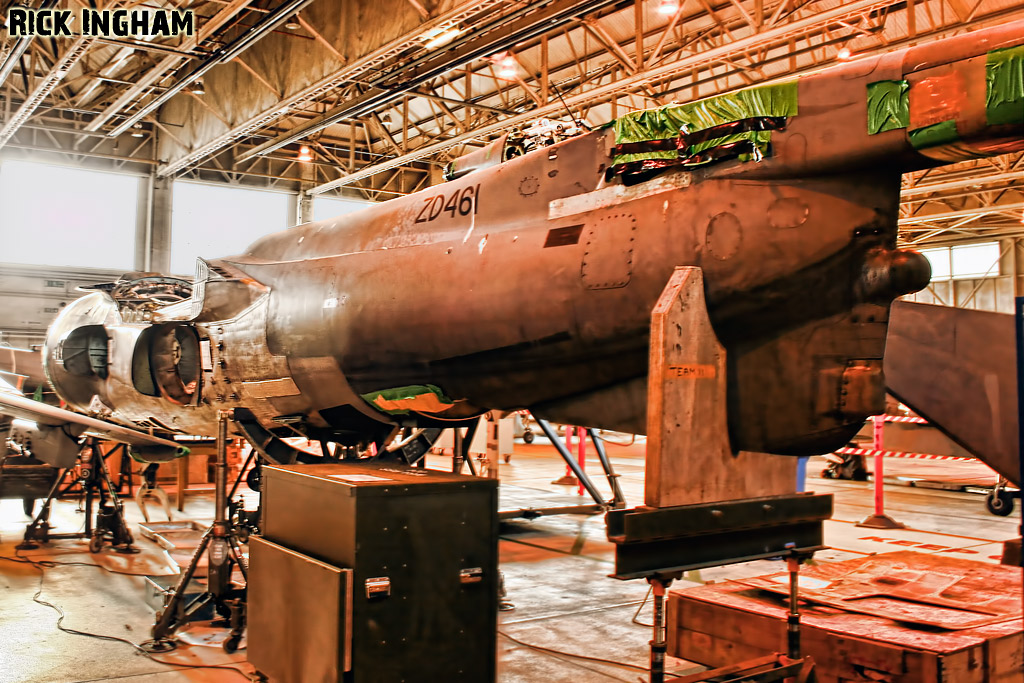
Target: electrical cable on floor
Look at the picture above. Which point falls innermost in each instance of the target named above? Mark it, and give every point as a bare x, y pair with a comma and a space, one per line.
49, 564
541, 648
637, 613
41, 564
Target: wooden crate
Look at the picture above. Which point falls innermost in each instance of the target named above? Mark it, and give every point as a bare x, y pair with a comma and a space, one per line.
198, 463
730, 622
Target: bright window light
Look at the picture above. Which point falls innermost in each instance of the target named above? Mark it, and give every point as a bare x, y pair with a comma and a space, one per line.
975, 260
964, 261
939, 259
329, 207
214, 221
61, 216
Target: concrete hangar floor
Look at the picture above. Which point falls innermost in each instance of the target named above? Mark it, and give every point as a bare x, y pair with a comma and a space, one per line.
556, 574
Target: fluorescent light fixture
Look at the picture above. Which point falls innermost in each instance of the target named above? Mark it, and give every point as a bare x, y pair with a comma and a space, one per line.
439, 37
137, 131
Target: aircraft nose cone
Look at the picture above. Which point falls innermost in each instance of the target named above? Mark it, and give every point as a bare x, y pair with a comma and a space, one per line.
890, 273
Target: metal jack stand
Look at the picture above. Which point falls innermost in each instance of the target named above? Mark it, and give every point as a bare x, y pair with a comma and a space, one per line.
460, 448
776, 667
793, 619
95, 482
224, 553
659, 644
660, 544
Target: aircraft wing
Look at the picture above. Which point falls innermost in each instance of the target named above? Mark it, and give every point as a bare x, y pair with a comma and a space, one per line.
956, 368
50, 419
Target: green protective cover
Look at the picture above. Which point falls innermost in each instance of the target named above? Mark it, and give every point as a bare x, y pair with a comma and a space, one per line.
888, 106
934, 135
1004, 86
135, 455
403, 394
665, 122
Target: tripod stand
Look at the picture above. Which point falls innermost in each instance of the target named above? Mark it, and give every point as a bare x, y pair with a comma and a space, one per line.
94, 479
224, 554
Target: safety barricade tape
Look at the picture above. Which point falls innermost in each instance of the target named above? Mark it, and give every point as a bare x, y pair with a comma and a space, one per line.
900, 418
900, 454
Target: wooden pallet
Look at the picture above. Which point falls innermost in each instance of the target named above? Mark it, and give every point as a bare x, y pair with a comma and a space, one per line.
722, 624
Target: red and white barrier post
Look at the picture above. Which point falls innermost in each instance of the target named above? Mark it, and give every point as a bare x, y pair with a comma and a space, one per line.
569, 479
879, 520
581, 435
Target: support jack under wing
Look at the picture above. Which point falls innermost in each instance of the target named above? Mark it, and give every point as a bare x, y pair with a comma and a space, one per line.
956, 368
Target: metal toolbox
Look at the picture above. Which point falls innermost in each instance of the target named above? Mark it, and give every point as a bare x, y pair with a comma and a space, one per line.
422, 549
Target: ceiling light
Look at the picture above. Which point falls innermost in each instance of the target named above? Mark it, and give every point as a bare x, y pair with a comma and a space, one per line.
137, 131
292, 25
439, 37
305, 154
198, 88
508, 67
668, 7
844, 54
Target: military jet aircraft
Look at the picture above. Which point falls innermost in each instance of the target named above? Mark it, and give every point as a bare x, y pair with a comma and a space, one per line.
527, 280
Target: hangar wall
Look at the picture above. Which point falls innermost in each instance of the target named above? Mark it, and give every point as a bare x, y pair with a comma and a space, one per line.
992, 293
31, 295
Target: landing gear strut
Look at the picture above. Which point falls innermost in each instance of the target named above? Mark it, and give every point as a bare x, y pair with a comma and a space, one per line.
1000, 500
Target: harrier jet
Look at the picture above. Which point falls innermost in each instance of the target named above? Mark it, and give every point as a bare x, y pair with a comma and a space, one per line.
528, 278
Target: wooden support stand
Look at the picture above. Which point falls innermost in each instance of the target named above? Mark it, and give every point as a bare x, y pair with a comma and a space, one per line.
704, 504
689, 459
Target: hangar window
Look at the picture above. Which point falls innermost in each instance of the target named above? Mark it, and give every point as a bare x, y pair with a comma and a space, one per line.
62, 216
329, 207
216, 220
964, 261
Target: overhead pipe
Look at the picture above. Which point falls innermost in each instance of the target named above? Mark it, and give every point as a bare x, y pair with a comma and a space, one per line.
45, 87
388, 87
19, 48
654, 74
222, 56
175, 56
